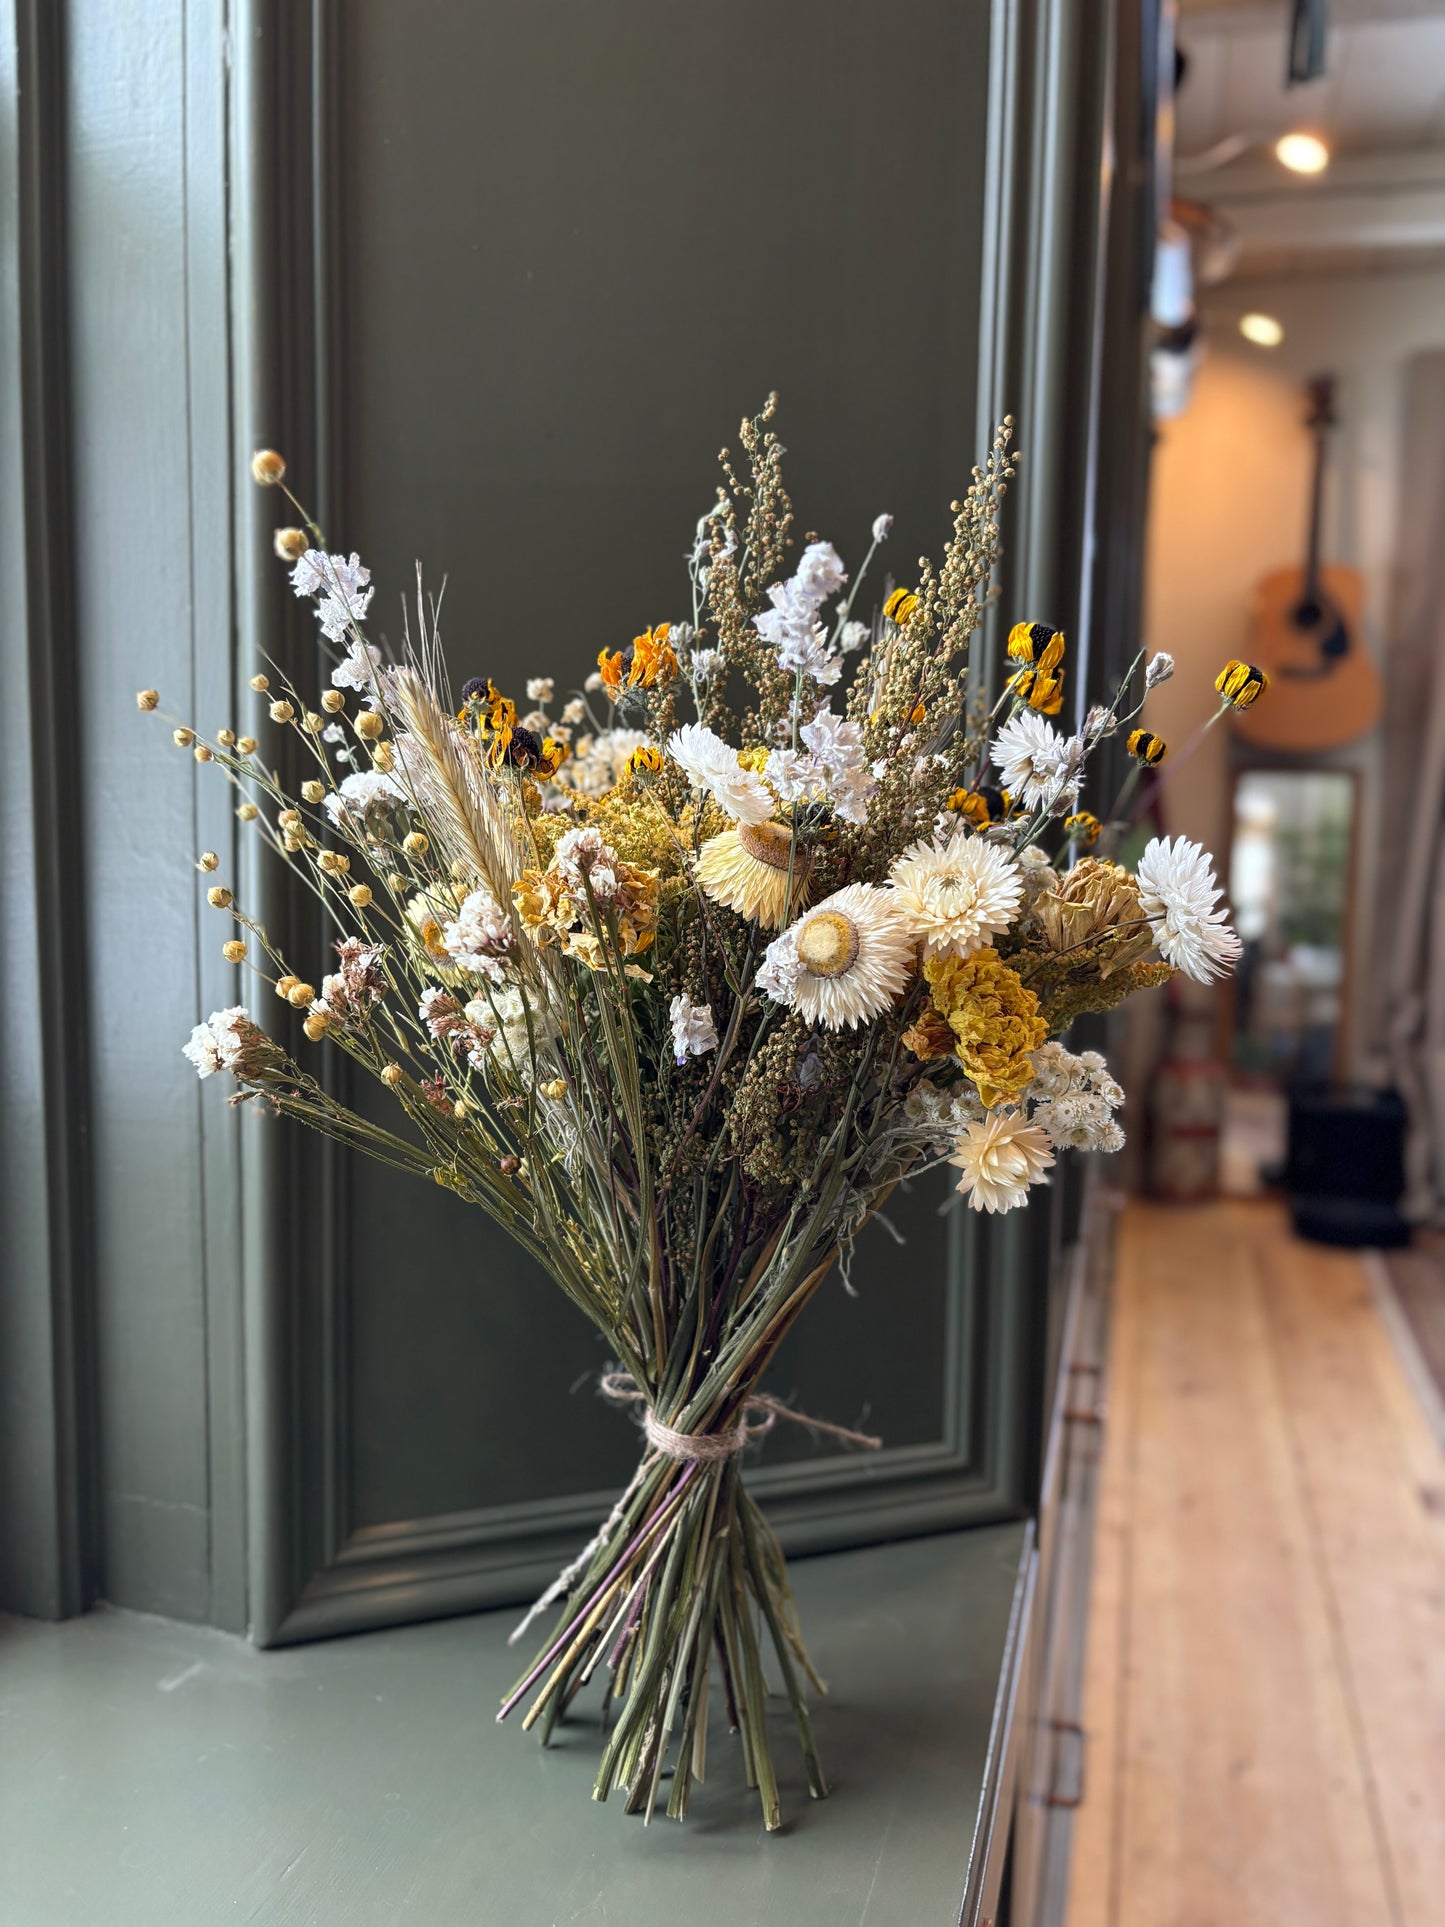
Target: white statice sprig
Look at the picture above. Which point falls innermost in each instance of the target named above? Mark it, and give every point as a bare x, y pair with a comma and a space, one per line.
693, 1030
340, 585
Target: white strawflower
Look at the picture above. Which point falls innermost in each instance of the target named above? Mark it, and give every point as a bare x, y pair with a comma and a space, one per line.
1000, 1158
796, 777
539, 689
843, 962
693, 1030
1035, 762
855, 634
711, 765
958, 893
882, 527
574, 710
1178, 895
703, 663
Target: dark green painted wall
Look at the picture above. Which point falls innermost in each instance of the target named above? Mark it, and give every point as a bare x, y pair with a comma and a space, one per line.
499, 279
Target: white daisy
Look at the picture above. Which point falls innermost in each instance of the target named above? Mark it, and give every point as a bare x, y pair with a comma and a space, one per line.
1000, 1159
1178, 895
540, 689
693, 1030
711, 765
957, 893
1035, 762
845, 961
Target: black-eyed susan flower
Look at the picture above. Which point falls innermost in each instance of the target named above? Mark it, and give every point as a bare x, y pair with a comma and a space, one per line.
900, 606
1241, 684
1146, 748
1083, 827
1037, 644
645, 760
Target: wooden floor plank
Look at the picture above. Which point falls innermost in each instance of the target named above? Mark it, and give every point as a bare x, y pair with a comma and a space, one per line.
1373, 1478
1235, 1696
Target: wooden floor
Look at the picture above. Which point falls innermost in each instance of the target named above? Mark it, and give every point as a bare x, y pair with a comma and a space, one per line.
1265, 1688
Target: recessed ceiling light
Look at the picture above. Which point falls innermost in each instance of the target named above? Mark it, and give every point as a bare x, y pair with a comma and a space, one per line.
1302, 153
1262, 329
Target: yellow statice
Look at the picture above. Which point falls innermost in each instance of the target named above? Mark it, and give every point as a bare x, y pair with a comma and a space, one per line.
994, 1018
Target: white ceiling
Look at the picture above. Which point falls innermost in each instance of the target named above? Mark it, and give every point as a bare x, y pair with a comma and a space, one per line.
1385, 84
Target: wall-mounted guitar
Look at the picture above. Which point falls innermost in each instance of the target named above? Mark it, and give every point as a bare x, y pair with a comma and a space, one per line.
1306, 634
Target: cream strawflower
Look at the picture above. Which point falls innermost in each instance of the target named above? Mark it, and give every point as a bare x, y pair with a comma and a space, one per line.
1000, 1158
711, 765
1178, 894
958, 893
845, 961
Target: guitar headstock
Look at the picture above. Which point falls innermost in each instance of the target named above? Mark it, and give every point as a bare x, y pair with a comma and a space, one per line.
1321, 392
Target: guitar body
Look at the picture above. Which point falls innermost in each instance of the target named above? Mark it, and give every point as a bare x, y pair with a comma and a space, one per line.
1325, 689
1305, 635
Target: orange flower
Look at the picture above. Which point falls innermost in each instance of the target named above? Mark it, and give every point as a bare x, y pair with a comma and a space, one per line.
648, 659
652, 658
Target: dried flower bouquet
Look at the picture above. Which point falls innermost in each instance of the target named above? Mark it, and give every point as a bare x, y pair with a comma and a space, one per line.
679, 982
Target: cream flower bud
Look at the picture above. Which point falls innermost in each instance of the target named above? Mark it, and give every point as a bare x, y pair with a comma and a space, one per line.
246, 744
226, 738
313, 791
219, 897
317, 1025
260, 684
183, 737
201, 753
208, 860
234, 951
285, 985
290, 544
300, 995
383, 758
289, 819
415, 844
369, 726
248, 812
147, 698
360, 894
267, 467
282, 712
392, 1075
313, 722
332, 700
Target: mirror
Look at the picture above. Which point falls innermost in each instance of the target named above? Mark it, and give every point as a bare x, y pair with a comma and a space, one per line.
1289, 883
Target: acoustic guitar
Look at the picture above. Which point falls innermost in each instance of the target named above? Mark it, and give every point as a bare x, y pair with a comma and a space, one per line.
1306, 634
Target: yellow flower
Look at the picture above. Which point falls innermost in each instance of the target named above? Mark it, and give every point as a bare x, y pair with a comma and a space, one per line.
994, 1017
900, 606
645, 760
746, 867
1036, 644
1146, 748
1083, 827
979, 807
1241, 684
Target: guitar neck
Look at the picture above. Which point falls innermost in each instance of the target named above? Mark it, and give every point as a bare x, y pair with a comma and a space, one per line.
1320, 420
